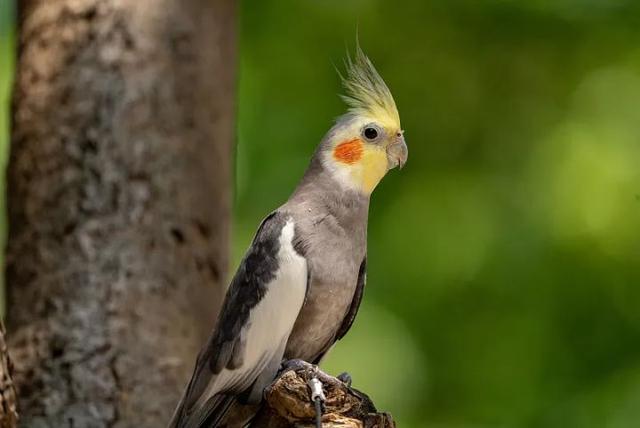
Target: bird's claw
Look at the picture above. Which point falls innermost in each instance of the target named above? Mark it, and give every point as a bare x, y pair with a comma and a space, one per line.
295, 365
345, 378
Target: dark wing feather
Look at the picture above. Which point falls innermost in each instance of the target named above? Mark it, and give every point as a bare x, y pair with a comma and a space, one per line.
248, 287
225, 346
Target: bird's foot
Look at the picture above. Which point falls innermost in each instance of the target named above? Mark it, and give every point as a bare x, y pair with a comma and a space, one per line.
308, 371
345, 378
317, 398
296, 365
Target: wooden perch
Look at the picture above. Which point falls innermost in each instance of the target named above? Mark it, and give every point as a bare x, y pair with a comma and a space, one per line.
288, 403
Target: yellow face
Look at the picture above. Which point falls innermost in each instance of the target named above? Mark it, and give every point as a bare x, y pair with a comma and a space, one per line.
366, 142
363, 151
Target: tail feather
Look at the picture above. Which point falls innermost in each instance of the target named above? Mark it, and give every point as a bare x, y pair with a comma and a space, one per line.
213, 413
210, 415
178, 414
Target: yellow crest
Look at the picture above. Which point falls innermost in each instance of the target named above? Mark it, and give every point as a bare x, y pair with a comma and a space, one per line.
366, 93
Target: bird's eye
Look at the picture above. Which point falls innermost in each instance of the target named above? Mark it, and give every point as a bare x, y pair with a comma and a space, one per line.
370, 133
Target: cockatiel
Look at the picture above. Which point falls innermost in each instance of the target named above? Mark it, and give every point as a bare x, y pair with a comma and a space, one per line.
299, 286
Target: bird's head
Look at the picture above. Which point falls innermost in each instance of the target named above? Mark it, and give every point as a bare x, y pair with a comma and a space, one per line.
368, 140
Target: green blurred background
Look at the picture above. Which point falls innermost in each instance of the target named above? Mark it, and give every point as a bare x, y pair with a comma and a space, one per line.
504, 260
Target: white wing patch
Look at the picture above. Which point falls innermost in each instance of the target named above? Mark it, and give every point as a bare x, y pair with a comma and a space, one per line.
271, 320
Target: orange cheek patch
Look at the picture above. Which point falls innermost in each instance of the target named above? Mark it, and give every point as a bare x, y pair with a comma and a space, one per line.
349, 151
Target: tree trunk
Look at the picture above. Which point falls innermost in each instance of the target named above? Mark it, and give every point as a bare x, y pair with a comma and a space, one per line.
8, 413
119, 199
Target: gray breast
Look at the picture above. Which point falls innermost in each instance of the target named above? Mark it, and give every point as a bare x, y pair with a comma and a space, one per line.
334, 253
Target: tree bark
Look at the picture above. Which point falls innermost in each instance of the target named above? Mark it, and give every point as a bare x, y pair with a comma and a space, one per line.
8, 412
119, 203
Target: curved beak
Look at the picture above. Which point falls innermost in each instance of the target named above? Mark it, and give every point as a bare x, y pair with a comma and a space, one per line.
397, 153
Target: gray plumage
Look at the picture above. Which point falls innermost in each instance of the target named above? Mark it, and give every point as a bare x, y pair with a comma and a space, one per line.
331, 231
298, 288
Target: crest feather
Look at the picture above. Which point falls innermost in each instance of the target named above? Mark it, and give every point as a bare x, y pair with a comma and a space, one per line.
366, 93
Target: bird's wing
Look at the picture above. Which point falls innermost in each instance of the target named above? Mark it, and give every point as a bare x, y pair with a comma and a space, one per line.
260, 309
355, 302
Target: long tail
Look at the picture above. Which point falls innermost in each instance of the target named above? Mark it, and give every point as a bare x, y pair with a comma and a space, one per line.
214, 412
210, 415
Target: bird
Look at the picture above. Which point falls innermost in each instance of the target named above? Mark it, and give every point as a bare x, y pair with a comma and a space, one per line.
299, 286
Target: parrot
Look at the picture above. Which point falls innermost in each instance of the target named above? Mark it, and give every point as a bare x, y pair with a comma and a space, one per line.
299, 286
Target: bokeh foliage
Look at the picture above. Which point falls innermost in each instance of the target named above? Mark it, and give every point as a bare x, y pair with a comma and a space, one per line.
504, 260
